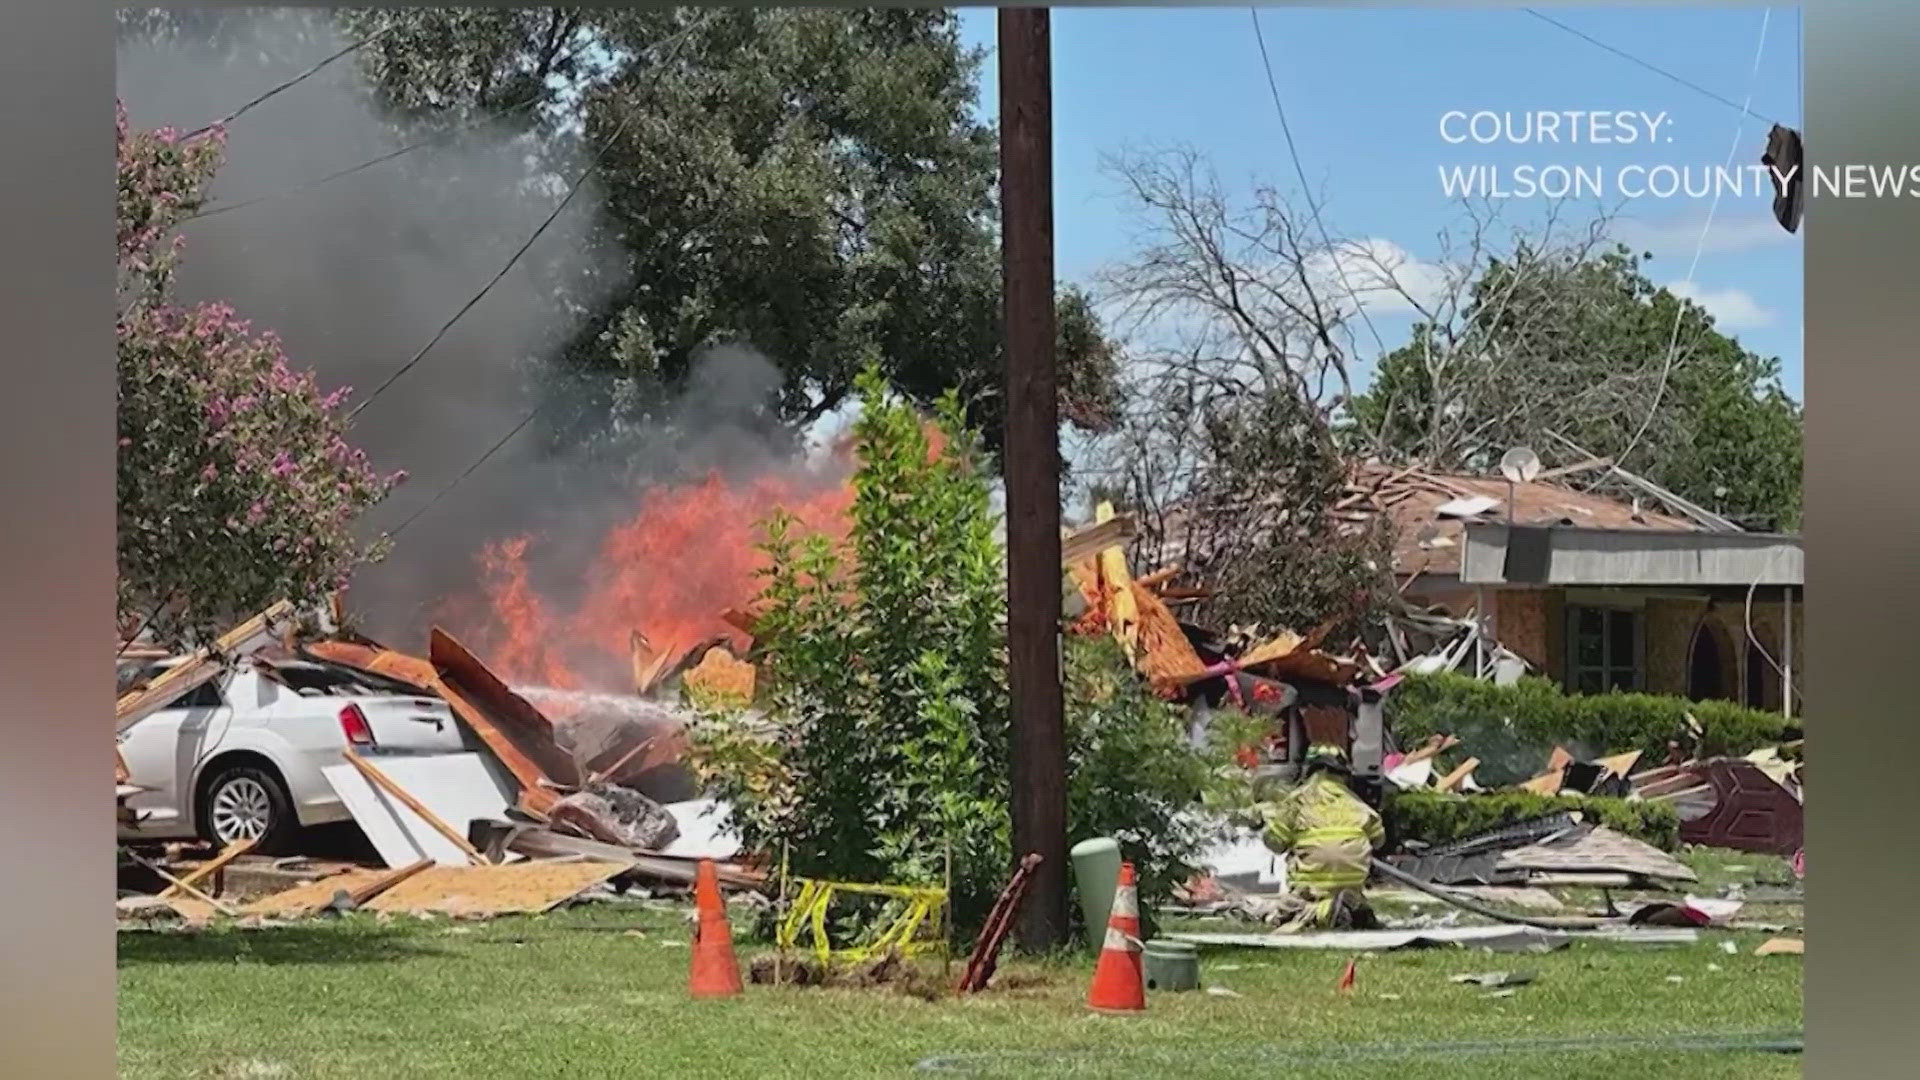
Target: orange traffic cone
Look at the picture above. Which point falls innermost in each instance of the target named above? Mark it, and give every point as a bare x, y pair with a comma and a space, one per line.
1118, 985
715, 971
1346, 978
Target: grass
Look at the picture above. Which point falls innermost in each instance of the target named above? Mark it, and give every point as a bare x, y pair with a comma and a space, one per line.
599, 991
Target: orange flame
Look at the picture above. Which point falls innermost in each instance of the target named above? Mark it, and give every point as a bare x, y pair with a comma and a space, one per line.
688, 553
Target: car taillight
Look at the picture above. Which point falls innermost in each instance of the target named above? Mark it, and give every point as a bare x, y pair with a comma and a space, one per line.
354, 724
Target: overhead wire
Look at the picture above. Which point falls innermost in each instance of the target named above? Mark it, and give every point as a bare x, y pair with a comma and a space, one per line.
1699, 248
289, 84
1746, 109
432, 140
675, 41
1293, 151
678, 38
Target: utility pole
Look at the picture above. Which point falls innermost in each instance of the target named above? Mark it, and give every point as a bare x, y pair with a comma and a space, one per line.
1038, 744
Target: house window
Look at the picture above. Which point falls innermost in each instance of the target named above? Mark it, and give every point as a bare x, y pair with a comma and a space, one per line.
1603, 650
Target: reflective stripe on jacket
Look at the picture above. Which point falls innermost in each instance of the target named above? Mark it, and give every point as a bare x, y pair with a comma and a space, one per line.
1327, 833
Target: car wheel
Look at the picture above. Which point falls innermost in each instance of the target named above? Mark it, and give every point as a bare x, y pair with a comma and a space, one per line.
245, 802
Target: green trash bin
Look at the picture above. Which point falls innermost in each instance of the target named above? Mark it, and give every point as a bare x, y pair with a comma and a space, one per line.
1170, 965
1096, 874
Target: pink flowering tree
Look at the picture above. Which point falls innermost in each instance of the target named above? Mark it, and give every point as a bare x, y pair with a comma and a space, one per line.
237, 486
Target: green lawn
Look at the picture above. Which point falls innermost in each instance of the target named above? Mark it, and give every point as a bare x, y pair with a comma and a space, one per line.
599, 991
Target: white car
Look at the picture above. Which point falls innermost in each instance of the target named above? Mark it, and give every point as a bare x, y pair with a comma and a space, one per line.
239, 758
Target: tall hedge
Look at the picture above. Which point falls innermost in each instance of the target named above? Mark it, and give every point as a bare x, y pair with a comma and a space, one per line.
1512, 729
1436, 818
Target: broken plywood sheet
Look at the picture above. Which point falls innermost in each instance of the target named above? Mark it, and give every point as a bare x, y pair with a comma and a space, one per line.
1599, 850
479, 891
456, 788
309, 897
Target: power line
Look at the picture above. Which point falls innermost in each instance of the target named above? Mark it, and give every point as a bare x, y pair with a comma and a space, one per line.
1339, 269
1655, 68
677, 39
382, 159
471, 469
295, 81
1680, 307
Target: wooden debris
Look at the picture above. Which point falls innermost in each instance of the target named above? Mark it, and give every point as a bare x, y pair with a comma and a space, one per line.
208, 869
656, 669
360, 894
519, 735
640, 653
1160, 577
479, 891
184, 887
1620, 765
1109, 531
1458, 776
202, 667
1782, 946
721, 680
311, 897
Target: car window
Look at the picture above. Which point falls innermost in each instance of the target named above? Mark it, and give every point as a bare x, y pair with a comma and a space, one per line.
205, 696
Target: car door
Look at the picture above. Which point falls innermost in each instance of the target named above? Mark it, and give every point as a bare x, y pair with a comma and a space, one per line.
162, 750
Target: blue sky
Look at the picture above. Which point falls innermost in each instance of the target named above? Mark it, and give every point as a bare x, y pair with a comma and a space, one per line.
1364, 92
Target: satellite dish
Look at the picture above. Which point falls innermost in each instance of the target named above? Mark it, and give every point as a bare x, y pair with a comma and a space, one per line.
1520, 465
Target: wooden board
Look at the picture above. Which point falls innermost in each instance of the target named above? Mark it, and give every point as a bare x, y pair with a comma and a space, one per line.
476, 891
507, 722
202, 667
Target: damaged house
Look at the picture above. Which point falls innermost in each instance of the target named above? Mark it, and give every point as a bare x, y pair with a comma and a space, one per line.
1593, 592
1598, 594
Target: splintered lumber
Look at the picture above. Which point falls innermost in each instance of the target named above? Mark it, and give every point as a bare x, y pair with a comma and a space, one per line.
200, 668
638, 651
1459, 775
1117, 594
183, 886
1284, 644
120, 773
1436, 745
1166, 657
517, 733
1161, 577
1620, 765
1109, 530
1545, 784
363, 892
655, 670
380, 780
211, 867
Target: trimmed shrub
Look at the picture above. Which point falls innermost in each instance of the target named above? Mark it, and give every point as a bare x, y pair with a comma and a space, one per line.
1512, 729
1435, 817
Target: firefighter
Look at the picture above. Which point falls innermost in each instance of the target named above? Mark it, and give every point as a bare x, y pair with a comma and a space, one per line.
1328, 836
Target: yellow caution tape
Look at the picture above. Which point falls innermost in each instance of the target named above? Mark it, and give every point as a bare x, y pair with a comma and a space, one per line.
918, 906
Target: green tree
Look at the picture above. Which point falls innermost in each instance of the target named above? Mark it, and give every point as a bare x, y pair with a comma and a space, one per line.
885, 739
1584, 346
236, 486
812, 183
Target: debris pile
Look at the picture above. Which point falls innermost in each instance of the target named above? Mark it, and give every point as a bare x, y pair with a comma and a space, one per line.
516, 824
